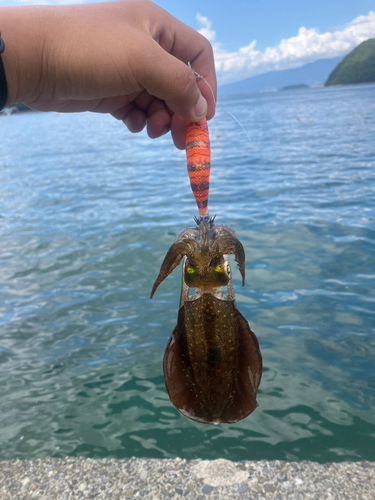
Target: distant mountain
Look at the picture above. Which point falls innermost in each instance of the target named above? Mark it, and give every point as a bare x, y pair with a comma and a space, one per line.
294, 87
314, 73
357, 67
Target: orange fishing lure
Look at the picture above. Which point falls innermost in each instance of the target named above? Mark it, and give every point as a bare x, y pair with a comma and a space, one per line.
198, 156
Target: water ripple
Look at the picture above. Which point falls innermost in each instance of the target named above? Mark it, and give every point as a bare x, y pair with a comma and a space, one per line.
87, 213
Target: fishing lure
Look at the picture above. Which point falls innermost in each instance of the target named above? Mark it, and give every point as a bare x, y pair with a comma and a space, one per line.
198, 159
212, 363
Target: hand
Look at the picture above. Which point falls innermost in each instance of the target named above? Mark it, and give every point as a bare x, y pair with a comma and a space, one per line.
126, 58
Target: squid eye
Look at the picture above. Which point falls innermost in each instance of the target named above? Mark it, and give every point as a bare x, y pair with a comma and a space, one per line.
190, 270
190, 276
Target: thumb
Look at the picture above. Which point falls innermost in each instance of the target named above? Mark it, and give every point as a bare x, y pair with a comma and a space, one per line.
171, 80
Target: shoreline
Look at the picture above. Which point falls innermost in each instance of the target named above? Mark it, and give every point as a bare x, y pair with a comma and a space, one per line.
157, 479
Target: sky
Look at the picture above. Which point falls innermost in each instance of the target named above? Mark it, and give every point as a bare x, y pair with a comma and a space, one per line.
251, 37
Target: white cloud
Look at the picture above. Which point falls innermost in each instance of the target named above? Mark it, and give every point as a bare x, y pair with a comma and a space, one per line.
206, 27
309, 45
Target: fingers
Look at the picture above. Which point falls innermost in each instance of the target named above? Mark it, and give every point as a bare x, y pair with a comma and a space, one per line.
135, 120
167, 75
173, 82
159, 121
145, 109
178, 131
162, 70
159, 64
158, 118
162, 65
192, 47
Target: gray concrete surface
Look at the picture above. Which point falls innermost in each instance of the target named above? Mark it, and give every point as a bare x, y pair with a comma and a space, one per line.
110, 479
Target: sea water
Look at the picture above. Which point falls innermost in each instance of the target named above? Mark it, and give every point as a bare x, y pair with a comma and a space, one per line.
87, 213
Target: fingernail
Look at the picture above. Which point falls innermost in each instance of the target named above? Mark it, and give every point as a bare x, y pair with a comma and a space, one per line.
200, 109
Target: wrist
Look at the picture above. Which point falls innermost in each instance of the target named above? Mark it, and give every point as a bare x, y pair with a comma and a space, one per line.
22, 31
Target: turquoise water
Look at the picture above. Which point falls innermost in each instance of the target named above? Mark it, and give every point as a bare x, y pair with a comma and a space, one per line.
87, 213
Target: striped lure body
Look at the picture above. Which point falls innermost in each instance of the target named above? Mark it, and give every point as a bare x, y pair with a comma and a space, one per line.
198, 162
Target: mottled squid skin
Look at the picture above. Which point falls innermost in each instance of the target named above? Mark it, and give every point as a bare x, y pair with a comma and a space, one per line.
212, 362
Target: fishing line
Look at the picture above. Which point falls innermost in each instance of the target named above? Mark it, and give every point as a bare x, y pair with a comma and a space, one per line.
200, 77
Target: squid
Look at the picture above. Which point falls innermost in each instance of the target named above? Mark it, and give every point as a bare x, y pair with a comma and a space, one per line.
212, 362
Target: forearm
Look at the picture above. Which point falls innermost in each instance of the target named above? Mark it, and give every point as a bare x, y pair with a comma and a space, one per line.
23, 30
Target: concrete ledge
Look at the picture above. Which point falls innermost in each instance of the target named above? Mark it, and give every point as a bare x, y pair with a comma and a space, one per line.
109, 479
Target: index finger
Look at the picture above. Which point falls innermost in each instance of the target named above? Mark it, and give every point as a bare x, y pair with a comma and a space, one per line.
200, 57
189, 46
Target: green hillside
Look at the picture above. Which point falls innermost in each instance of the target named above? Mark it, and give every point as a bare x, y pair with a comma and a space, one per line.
357, 67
